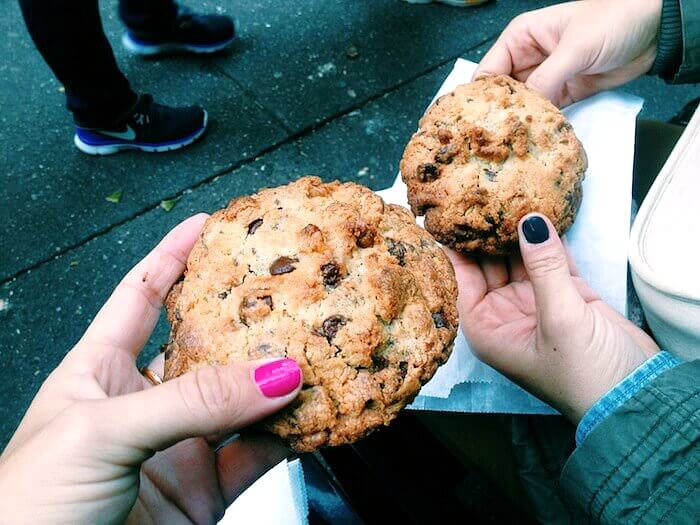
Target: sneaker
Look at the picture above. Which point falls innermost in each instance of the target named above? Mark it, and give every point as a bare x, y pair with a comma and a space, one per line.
149, 127
455, 3
189, 32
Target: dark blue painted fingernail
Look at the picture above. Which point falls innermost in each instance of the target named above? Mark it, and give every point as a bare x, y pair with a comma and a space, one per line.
535, 230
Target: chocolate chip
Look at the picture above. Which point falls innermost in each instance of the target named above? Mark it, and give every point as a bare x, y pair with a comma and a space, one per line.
331, 326
491, 175
379, 362
364, 236
397, 249
283, 265
331, 274
446, 154
565, 126
428, 172
254, 226
254, 308
223, 295
439, 320
371, 404
403, 367
444, 136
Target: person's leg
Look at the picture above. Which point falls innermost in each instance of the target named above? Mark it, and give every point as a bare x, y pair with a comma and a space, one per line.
157, 26
69, 35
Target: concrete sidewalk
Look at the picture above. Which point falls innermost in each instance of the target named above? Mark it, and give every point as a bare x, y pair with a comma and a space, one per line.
291, 98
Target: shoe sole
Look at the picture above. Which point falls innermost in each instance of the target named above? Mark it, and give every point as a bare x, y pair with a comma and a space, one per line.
110, 149
144, 49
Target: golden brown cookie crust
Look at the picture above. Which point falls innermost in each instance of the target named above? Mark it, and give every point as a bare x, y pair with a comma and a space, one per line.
327, 274
484, 156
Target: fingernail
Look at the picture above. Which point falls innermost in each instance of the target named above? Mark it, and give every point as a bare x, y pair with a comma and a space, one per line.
535, 230
278, 378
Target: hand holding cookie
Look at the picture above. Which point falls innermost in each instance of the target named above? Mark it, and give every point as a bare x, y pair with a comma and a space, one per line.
535, 320
570, 51
100, 443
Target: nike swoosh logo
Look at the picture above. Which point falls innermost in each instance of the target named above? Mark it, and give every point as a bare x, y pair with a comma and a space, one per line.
129, 134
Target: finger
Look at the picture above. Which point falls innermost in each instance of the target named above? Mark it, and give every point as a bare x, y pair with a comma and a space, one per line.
242, 462
183, 474
130, 314
523, 74
551, 75
497, 61
208, 401
157, 366
495, 272
547, 267
471, 281
516, 269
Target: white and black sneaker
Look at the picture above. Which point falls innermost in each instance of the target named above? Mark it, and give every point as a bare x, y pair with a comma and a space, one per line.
148, 127
189, 32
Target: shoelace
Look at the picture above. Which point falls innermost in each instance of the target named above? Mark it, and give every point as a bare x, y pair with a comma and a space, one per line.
186, 18
146, 111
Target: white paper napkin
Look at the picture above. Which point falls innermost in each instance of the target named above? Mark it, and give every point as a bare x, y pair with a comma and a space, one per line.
277, 498
605, 124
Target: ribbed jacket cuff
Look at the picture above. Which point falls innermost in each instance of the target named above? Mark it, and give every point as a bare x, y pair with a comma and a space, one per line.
669, 46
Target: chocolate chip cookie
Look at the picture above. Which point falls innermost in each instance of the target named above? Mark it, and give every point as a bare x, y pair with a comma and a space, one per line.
487, 154
330, 276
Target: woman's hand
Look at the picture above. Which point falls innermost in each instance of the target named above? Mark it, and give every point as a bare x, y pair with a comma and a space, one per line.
100, 444
540, 324
571, 51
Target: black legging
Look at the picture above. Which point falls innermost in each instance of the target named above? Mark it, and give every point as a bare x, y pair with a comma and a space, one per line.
70, 37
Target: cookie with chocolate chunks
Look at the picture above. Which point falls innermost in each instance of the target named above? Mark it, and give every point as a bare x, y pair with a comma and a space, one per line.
332, 277
484, 156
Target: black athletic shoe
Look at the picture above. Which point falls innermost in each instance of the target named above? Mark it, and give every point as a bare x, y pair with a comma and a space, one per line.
190, 32
149, 127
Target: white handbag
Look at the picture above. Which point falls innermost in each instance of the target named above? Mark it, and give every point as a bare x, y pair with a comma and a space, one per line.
665, 249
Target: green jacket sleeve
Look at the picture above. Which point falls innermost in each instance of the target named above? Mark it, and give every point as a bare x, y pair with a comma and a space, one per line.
678, 42
642, 463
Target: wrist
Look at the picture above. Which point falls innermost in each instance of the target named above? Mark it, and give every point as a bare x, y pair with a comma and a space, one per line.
623, 391
595, 376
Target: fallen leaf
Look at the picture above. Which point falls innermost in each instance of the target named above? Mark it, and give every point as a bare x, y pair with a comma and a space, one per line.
169, 204
114, 197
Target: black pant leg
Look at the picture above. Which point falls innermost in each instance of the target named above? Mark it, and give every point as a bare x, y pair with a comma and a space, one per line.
69, 35
147, 17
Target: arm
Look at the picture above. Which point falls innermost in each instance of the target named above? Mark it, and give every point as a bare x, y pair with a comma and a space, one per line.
640, 463
638, 410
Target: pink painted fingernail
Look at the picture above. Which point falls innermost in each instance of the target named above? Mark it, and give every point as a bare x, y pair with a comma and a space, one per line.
278, 378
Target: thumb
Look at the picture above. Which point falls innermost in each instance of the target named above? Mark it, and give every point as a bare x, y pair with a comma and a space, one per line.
206, 401
549, 77
547, 266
